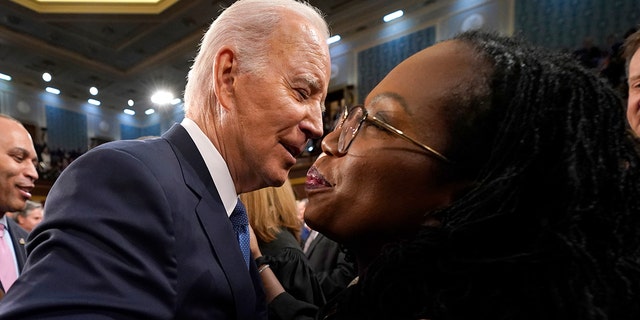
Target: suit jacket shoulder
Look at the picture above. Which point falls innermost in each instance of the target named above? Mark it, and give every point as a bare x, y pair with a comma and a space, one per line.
135, 229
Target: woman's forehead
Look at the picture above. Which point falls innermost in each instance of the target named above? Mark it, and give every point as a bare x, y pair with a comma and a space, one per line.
427, 77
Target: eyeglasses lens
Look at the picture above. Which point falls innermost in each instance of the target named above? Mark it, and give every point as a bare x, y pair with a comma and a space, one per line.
350, 128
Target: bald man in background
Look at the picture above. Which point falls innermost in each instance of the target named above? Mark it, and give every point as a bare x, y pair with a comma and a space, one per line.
18, 160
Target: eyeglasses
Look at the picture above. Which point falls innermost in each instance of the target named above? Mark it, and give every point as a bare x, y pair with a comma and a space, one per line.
352, 119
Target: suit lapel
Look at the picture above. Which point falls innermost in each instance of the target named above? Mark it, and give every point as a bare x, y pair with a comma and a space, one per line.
19, 239
314, 243
214, 220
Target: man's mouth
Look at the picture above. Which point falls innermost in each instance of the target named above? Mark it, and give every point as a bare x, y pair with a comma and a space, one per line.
293, 150
26, 190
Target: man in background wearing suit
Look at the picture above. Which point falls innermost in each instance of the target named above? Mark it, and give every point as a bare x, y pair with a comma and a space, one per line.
18, 174
143, 229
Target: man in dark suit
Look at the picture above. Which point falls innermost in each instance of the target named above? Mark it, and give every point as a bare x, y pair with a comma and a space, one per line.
17, 177
142, 229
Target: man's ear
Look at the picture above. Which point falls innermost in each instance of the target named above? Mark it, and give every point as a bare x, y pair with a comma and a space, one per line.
225, 68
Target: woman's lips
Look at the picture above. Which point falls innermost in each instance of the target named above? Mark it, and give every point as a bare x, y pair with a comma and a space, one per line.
315, 180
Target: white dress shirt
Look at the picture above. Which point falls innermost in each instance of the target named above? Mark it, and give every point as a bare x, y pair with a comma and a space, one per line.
218, 168
9, 242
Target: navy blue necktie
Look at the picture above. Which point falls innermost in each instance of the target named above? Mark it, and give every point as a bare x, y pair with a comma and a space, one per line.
241, 227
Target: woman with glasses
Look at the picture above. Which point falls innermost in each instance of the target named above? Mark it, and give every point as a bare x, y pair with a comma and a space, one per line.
481, 179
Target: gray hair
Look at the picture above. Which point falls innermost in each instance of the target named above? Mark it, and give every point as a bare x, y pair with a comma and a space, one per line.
246, 25
31, 205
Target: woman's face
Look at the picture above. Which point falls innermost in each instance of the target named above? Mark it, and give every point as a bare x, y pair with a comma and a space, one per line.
383, 186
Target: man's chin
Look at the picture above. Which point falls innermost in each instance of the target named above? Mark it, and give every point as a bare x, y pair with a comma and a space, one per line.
277, 178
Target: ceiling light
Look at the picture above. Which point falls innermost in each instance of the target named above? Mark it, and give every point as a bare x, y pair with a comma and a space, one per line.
5, 77
93, 90
393, 16
94, 102
129, 112
149, 111
52, 90
175, 101
162, 97
334, 39
130, 103
46, 76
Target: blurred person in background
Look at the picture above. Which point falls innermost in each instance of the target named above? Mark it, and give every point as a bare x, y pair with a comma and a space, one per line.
632, 56
273, 216
29, 217
18, 161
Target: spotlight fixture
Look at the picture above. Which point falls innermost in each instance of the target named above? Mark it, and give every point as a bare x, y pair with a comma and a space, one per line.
393, 15
52, 90
334, 39
129, 112
46, 77
162, 97
5, 77
130, 103
149, 111
93, 91
94, 102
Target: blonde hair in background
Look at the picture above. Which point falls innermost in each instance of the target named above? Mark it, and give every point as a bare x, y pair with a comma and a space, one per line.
271, 209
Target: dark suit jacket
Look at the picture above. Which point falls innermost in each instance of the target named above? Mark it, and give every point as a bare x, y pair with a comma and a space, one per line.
136, 230
329, 263
19, 238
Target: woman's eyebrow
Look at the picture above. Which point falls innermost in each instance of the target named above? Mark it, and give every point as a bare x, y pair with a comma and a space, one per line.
393, 96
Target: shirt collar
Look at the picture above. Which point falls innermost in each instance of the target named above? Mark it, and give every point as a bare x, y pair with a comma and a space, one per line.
216, 165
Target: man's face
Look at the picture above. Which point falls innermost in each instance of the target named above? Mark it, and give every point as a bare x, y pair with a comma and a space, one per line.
18, 161
280, 108
633, 104
34, 217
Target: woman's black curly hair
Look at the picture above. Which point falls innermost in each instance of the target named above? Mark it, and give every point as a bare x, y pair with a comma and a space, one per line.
550, 228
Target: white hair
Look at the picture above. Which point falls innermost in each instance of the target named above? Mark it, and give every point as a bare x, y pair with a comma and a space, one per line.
246, 26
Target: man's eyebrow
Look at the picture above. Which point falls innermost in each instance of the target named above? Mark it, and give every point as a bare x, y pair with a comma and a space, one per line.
18, 150
21, 151
312, 81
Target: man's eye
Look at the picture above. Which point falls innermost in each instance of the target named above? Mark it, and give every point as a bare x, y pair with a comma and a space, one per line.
303, 94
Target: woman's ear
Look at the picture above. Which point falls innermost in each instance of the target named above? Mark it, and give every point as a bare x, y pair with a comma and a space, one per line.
225, 68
